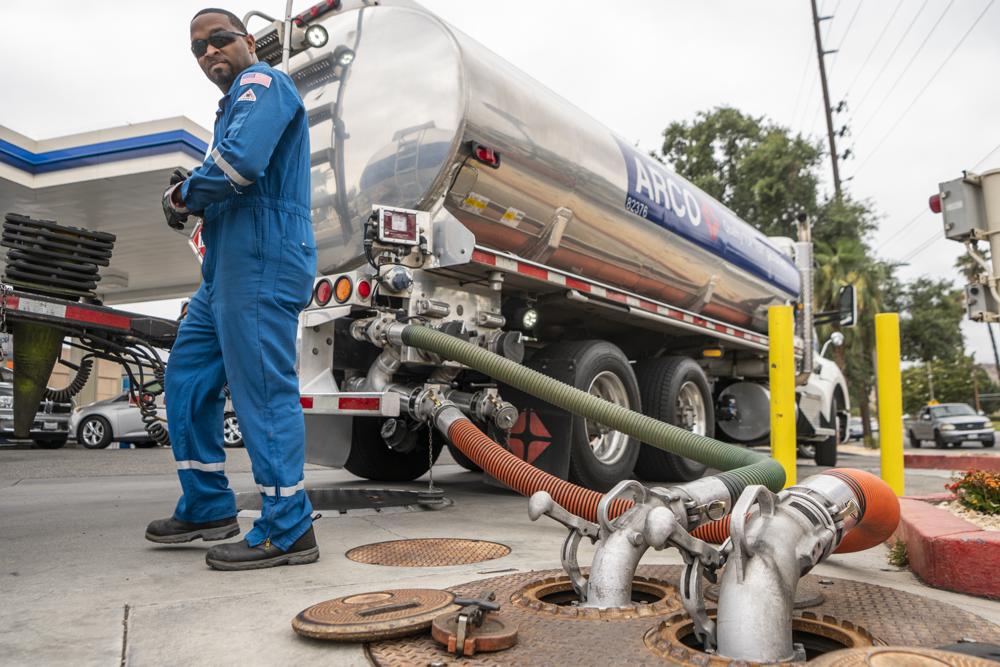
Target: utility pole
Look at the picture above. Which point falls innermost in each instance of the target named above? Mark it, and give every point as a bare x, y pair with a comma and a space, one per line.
820, 53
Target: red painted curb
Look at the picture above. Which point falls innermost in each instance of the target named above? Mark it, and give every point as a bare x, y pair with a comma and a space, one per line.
944, 462
949, 552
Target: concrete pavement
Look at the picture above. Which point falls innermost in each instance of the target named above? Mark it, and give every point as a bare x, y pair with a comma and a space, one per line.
81, 586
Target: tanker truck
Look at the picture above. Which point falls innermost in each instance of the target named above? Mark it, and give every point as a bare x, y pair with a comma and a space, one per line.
452, 190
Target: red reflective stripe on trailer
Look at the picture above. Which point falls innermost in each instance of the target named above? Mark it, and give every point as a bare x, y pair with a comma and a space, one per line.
533, 271
484, 257
306, 402
573, 283
98, 317
13, 302
351, 403
616, 296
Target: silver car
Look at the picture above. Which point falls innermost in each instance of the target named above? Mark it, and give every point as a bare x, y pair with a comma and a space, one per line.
51, 426
118, 419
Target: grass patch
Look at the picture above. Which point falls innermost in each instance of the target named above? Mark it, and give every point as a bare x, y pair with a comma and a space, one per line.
898, 556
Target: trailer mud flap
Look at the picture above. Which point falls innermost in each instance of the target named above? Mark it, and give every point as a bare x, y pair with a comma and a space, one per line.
328, 439
542, 433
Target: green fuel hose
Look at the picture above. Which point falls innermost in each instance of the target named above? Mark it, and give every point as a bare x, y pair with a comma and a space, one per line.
741, 467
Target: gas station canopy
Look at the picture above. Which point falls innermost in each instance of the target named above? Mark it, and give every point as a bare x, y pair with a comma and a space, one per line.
111, 180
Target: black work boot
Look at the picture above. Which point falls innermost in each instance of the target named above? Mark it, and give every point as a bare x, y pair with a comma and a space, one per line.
242, 556
175, 531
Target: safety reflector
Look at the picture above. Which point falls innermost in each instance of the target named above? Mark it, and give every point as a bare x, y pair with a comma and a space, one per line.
306, 402
342, 289
324, 290
352, 403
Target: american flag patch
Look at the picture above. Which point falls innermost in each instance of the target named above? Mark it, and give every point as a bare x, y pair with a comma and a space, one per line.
256, 77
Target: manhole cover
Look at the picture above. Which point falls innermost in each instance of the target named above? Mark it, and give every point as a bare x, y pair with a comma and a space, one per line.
431, 552
808, 594
897, 656
343, 500
370, 616
555, 596
895, 617
674, 639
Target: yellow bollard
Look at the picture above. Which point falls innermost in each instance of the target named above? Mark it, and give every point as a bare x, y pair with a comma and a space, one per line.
890, 400
781, 358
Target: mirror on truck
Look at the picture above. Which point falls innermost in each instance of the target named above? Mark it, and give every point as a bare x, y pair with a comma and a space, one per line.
847, 304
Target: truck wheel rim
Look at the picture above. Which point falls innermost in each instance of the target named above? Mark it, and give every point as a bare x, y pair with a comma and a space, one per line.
691, 413
231, 431
608, 445
93, 432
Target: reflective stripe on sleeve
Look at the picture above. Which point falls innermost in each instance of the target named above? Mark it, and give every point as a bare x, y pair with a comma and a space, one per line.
266, 490
204, 467
228, 170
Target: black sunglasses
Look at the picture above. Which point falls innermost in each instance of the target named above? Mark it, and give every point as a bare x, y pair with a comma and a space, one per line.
221, 39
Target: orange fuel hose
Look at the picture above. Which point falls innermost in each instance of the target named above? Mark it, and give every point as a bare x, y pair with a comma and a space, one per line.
525, 478
878, 506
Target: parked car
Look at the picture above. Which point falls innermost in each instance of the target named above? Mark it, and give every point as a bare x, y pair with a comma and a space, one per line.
855, 430
950, 424
118, 419
50, 429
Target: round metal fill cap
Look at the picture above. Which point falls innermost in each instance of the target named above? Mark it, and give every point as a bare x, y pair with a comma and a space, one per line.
495, 634
370, 616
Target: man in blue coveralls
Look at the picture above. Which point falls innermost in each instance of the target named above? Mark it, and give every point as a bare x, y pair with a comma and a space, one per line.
260, 259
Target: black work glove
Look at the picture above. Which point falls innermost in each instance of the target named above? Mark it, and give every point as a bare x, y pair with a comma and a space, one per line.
176, 217
179, 176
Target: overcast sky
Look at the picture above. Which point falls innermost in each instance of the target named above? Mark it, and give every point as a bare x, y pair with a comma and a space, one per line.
635, 65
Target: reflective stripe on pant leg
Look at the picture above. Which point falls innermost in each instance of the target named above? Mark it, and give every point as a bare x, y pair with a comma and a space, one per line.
204, 467
193, 386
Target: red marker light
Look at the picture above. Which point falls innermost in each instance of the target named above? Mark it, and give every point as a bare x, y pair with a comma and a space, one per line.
486, 155
935, 203
364, 289
324, 292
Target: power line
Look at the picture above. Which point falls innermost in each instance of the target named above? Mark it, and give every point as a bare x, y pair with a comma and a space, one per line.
986, 157
927, 243
895, 124
891, 55
802, 79
847, 31
878, 40
902, 229
906, 68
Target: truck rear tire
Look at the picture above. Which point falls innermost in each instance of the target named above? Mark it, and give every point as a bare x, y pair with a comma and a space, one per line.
674, 390
371, 458
599, 457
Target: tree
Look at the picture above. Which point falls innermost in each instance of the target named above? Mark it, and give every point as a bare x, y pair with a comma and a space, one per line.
930, 326
768, 177
953, 383
756, 168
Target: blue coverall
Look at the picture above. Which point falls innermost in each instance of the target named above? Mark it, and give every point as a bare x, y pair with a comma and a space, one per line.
240, 328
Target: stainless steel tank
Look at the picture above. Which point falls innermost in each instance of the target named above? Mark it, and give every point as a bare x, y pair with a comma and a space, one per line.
397, 97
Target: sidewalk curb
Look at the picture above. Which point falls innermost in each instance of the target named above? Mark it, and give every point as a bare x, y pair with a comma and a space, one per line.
945, 462
948, 552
